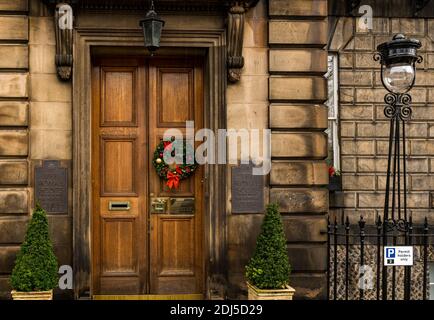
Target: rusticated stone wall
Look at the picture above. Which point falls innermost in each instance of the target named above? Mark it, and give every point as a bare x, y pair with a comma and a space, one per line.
35, 124
247, 108
297, 35
14, 133
282, 88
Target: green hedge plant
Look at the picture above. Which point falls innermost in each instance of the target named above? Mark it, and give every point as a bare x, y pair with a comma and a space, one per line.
36, 265
269, 267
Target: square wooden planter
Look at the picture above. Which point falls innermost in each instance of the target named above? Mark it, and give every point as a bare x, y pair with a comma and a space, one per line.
35, 295
255, 293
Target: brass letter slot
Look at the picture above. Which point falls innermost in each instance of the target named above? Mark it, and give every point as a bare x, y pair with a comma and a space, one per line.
119, 205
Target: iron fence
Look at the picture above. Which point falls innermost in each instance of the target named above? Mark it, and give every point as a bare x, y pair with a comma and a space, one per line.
355, 260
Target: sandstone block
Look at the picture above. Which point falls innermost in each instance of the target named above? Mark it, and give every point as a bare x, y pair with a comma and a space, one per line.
13, 202
51, 115
298, 60
299, 145
297, 32
14, 85
297, 8
358, 182
298, 88
13, 172
360, 112
308, 257
408, 26
16, 5
14, 56
12, 231
13, 143
300, 229
14, 28
47, 87
298, 173
422, 183
295, 116
14, 113
42, 31
251, 89
51, 144
422, 147
378, 129
362, 147
355, 78
254, 115
42, 58
300, 200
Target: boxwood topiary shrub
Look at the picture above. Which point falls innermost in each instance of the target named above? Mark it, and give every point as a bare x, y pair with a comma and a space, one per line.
269, 267
36, 265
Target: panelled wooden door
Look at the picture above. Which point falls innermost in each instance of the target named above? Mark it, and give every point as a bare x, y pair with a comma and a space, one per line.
136, 250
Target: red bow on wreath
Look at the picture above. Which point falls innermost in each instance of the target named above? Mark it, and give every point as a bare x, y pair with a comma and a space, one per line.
173, 178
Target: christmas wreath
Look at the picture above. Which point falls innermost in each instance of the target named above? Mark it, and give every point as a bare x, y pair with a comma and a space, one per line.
175, 172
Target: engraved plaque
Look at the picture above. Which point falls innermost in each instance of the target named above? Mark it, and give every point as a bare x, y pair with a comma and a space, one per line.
182, 205
247, 190
51, 187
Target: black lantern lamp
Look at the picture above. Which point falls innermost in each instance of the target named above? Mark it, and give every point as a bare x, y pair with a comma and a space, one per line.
398, 60
152, 26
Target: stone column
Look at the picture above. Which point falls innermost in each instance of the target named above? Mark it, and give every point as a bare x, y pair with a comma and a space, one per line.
298, 118
14, 120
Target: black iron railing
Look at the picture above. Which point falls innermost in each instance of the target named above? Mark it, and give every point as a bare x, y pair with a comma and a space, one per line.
361, 245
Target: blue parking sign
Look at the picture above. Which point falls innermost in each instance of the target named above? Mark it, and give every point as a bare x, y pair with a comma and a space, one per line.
390, 253
398, 256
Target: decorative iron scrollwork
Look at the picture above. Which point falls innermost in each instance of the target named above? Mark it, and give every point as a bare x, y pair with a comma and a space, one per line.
378, 57
397, 105
399, 225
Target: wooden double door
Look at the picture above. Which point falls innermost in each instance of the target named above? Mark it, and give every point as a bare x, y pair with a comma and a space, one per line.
146, 238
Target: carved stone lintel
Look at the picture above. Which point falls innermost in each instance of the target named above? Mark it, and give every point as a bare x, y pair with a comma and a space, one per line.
63, 22
235, 32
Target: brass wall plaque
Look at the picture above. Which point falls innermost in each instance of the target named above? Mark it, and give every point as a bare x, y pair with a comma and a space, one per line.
159, 205
182, 205
51, 187
247, 190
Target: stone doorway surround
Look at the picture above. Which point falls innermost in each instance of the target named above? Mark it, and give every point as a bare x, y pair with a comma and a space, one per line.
88, 39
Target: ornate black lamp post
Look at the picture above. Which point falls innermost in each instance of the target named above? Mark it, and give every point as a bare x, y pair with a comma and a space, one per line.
398, 60
152, 26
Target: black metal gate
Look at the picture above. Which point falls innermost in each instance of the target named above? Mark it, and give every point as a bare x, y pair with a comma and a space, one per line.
355, 260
